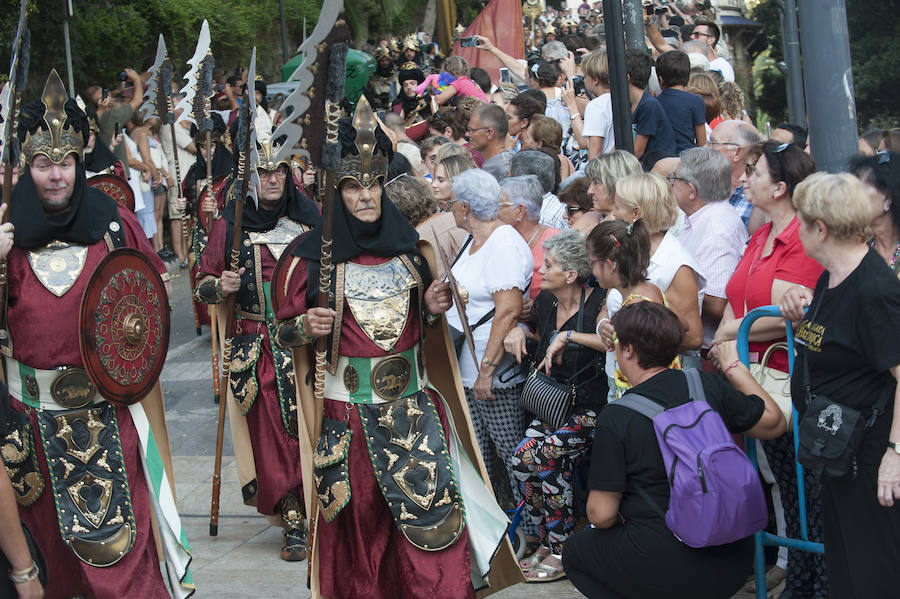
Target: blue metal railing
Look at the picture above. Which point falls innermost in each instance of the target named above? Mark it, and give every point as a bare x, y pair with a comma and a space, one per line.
764, 538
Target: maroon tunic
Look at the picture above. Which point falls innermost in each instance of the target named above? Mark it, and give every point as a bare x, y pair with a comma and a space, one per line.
44, 331
362, 552
276, 454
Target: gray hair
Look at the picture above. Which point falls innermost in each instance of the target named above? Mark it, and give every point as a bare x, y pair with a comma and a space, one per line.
747, 134
569, 248
709, 172
480, 190
533, 162
525, 190
554, 51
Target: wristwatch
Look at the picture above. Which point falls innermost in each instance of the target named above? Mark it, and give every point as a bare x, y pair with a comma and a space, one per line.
894, 446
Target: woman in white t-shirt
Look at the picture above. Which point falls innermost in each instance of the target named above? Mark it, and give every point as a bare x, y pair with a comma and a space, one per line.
495, 270
648, 197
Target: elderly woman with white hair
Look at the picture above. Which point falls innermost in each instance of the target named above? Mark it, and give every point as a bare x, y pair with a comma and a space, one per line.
545, 459
495, 271
520, 207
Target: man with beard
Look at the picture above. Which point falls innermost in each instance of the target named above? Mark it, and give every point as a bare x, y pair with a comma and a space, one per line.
390, 470
260, 385
98, 158
87, 471
383, 82
210, 204
414, 110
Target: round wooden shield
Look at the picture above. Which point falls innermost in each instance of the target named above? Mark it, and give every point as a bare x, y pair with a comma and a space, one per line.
124, 324
220, 186
115, 188
281, 273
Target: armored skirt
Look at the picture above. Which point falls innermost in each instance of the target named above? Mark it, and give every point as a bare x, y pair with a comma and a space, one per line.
394, 486
260, 392
91, 481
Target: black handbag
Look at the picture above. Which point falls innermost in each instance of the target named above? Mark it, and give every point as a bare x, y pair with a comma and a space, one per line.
831, 432
7, 588
545, 397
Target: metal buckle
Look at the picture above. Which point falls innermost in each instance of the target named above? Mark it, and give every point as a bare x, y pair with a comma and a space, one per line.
72, 388
391, 377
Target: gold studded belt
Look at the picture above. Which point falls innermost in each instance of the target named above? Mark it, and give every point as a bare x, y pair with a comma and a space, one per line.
63, 388
377, 380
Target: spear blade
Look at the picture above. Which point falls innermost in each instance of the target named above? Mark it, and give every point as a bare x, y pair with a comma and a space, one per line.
192, 77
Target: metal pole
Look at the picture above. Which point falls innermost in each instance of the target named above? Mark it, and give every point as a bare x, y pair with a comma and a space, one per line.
828, 79
618, 75
634, 24
790, 37
68, 45
284, 46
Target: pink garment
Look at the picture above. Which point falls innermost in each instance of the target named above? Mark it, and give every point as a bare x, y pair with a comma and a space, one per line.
466, 87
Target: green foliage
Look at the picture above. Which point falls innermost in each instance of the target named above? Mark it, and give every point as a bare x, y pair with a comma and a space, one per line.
875, 55
109, 35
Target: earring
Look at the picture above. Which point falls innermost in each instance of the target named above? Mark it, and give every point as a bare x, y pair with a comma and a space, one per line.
887, 206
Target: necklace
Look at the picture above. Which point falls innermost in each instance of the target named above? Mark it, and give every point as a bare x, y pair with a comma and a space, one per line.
894, 258
538, 230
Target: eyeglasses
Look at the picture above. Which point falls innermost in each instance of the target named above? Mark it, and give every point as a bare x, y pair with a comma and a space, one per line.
750, 167
672, 177
470, 129
782, 148
699, 33
574, 209
713, 142
264, 175
507, 204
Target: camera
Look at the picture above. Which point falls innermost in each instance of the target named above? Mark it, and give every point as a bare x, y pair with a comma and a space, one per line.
123, 76
468, 42
578, 85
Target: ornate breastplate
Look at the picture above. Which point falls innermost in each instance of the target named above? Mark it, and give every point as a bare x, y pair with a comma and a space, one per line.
278, 238
378, 297
58, 265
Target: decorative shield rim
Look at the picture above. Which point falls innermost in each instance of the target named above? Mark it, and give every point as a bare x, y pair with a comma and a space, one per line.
119, 184
219, 191
280, 273
112, 264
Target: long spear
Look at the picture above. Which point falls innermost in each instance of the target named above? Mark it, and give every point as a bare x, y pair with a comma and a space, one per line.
190, 90
323, 67
457, 298
248, 158
18, 77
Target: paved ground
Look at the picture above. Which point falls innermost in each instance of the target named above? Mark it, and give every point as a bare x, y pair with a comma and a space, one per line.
242, 561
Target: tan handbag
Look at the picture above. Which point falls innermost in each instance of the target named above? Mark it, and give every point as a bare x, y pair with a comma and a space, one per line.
774, 381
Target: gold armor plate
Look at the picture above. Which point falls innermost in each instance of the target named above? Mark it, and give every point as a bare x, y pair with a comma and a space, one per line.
378, 297
278, 237
57, 265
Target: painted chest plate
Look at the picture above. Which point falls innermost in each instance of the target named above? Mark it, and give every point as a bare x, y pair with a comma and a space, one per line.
278, 237
58, 265
378, 297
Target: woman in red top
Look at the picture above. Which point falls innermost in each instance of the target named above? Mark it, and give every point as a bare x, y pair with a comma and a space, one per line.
773, 262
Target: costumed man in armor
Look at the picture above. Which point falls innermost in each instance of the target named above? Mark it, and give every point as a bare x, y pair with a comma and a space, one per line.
414, 109
410, 51
87, 471
200, 202
403, 509
383, 82
98, 158
261, 396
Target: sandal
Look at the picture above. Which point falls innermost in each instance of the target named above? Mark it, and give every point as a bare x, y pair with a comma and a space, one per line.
549, 570
774, 577
534, 559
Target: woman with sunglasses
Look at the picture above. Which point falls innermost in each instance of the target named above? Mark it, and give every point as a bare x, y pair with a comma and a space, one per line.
881, 175
773, 262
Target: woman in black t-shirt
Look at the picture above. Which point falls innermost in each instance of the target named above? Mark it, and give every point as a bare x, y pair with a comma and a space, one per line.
630, 552
850, 340
544, 460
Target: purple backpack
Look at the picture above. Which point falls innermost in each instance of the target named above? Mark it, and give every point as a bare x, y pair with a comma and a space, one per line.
715, 496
